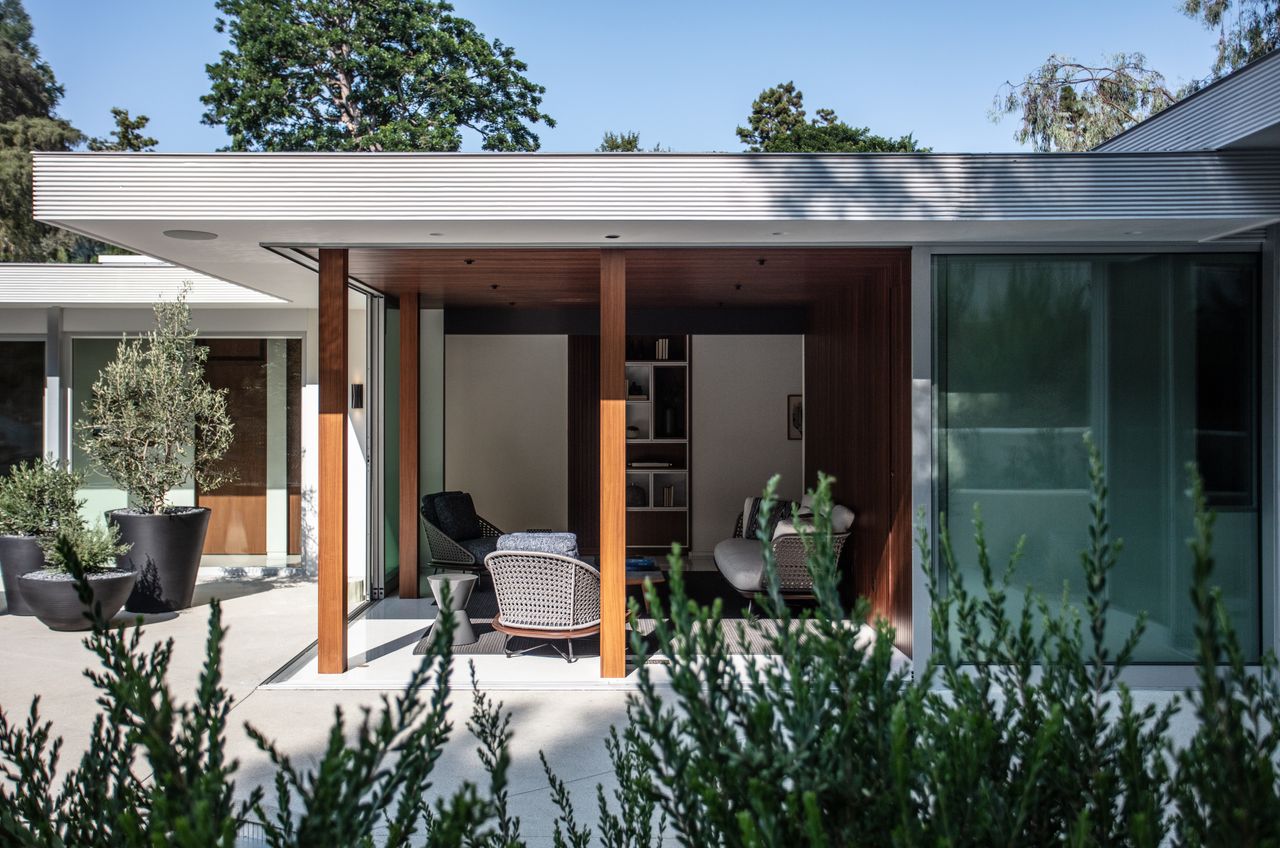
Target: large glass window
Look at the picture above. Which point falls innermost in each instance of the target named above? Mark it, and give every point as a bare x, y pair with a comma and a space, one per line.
259, 511
21, 402
1157, 356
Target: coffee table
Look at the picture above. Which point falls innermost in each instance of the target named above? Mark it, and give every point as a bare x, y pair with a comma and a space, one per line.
460, 589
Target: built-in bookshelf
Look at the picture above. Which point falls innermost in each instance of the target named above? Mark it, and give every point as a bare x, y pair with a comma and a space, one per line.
658, 447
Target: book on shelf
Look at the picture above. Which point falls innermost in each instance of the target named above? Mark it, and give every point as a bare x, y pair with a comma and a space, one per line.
649, 464
662, 349
669, 495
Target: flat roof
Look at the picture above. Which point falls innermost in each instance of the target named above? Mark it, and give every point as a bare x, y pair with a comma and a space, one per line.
256, 206
117, 280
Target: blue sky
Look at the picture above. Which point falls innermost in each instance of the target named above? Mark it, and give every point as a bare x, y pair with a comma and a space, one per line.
680, 73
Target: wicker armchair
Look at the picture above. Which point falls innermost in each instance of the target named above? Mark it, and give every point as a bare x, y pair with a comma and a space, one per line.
446, 554
742, 563
544, 596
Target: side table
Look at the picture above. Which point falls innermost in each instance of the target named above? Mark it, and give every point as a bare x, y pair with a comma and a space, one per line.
460, 589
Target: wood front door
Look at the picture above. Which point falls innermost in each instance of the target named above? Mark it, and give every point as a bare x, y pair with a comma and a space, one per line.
238, 524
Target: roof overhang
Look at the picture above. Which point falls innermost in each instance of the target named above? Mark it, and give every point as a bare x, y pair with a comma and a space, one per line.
119, 281
259, 205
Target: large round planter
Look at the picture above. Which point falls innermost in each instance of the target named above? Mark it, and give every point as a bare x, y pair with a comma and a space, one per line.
19, 555
165, 551
54, 600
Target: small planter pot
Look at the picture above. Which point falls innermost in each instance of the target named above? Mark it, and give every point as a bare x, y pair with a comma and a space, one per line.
165, 552
19, 555
53, 598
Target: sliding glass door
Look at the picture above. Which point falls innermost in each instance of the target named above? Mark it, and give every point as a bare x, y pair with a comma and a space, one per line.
1158, 357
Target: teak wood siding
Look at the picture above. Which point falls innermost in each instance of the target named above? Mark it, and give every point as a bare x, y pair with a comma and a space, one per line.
613, 464
857, 366
331, 640
410, 332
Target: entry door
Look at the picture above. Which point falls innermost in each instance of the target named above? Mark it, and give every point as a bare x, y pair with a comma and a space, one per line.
238, 522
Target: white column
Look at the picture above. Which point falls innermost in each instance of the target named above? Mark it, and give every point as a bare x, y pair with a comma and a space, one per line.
277, 447
56, 425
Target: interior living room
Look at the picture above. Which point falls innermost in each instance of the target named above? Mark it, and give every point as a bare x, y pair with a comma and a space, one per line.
739, 364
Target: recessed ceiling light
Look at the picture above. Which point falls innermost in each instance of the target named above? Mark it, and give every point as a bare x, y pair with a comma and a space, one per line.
435, 234
191, 235
1133, 232
613, 235
779, 233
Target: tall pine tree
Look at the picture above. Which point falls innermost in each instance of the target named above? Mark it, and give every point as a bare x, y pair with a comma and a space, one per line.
366, 75
29, 94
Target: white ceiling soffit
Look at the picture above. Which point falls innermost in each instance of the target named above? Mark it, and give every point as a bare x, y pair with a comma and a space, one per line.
1239, 110
118, 282
784, 200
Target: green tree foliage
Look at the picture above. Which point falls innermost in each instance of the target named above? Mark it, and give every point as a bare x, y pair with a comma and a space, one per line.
1247, 29
95, 548
1064, 105
128, 134
152, 422
39, 497
777, 125
29, 95
626, 142
366, 75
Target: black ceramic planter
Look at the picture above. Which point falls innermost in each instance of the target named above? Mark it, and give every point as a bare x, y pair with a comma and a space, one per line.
54, 600
19, 555
165, 552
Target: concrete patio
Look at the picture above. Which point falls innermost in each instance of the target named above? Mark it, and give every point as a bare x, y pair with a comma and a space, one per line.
269, 620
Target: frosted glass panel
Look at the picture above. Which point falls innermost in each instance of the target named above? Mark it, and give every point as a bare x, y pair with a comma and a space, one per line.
1157, 356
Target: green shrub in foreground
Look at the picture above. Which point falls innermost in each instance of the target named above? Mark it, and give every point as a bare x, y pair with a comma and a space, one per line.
823, 744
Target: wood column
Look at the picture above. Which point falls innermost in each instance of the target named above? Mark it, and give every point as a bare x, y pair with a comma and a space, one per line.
410, 333
613, 464
331, 648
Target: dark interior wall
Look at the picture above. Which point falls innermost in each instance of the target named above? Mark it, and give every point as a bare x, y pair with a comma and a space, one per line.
857, 365
584, 441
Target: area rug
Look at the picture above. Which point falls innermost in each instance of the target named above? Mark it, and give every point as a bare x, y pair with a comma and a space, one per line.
741, 635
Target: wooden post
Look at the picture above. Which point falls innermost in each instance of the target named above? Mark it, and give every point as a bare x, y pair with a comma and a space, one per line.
409, 360
613, 464
331, 648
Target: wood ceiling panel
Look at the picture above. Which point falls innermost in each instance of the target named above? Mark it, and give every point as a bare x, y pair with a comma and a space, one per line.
674, 277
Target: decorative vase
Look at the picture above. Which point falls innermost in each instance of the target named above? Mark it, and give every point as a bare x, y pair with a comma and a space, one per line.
53, 598
19, 555
165, 551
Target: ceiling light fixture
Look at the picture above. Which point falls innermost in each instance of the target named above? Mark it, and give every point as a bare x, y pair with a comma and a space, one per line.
469, 261
190, 235
436, 235
779, 233
613, 235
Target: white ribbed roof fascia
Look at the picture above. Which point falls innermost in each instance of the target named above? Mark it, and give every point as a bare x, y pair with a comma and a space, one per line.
118, 284
1219, 115
303, 187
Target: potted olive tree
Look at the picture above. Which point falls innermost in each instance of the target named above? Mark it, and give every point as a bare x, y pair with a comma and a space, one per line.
37, 498
153, 424
51, 592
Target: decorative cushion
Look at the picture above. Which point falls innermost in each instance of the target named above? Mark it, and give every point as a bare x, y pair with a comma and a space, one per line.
455, 514
841, 519
841, 522
480, 547
741, 563
753, 520
565, 544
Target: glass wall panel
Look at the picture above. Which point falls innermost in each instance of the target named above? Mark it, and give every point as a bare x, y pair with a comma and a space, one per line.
258, 512
1157, 356
21, 402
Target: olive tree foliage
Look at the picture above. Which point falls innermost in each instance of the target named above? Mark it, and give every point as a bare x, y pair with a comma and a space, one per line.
366, 75
1065, 105
152, 421
777, 125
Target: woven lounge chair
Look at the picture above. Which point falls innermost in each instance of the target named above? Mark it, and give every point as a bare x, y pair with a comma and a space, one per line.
544, 596
741, 561
472, 536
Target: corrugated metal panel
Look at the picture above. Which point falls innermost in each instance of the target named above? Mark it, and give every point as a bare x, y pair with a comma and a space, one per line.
117, 284
1233, 108
668, 187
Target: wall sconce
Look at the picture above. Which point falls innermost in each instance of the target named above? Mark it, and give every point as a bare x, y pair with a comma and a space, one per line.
357, 395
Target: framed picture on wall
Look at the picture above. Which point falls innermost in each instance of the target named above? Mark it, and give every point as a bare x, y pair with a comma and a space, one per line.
795, 417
